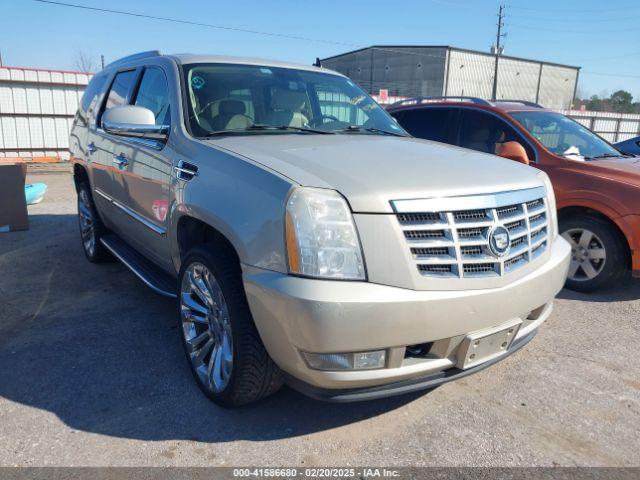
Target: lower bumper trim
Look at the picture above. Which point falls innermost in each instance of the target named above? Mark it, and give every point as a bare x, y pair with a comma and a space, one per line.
399, 388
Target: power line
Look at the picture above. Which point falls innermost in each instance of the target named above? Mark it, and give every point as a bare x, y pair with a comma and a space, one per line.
199, 24
280, 35
604, 74
555, 30
582, 20
578, 10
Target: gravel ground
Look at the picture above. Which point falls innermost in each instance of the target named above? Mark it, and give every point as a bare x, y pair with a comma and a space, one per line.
92, 373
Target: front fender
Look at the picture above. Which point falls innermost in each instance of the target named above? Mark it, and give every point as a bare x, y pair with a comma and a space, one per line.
241, 201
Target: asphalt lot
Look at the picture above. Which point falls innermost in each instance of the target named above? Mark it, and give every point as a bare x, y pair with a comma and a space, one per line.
92, 373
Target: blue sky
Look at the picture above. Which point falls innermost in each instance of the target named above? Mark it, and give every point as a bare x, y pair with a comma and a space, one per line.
604, 41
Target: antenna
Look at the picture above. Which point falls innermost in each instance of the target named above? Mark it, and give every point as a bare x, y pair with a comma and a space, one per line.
498, 50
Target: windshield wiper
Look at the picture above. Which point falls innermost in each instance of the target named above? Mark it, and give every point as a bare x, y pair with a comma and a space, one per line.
356, 128
262, 127
605, 155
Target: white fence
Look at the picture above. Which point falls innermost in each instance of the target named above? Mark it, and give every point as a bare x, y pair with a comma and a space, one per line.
37, 109
614, 127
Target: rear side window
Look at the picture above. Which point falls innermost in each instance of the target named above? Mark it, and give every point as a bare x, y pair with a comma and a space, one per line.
153, 94
430, 123
120, 89
482, 131
92, 91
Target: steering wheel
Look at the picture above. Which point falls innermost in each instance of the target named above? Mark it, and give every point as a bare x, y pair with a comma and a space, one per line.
327, 117
207, 105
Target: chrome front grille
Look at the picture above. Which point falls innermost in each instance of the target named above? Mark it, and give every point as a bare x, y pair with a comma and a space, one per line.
455, 242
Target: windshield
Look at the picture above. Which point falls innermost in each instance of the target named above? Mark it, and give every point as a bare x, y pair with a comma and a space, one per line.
565, 137
224, 98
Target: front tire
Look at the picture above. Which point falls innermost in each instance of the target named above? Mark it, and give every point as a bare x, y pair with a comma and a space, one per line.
598, 253
223, 347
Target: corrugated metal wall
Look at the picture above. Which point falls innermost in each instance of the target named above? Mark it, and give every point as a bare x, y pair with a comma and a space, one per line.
469, 74
37, 109
434, 71
557, 86
518, 79
408, 71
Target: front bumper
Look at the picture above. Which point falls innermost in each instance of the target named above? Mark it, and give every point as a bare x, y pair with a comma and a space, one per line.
425, 382
295, 315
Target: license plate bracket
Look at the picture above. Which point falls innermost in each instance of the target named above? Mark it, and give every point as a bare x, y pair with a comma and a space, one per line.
484, 345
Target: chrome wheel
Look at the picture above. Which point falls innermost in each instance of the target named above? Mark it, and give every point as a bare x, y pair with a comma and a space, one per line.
206, 327
87, 223
588, 255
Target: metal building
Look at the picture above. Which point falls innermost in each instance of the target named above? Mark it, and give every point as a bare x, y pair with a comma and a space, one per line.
410, 71
36, 110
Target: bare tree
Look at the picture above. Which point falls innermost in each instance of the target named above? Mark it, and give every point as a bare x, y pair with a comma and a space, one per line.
84, 62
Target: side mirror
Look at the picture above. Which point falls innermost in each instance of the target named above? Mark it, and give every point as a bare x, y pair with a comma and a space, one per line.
133, 121
512, 151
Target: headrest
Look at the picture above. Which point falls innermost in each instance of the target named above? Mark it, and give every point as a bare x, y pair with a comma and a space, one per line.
481, 135
288, 100
231, 107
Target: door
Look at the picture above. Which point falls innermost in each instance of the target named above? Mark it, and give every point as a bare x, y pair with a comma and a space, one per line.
107, 173
146, 173
482, 131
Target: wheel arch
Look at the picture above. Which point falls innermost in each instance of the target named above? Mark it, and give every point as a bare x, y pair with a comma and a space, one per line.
617, 226
80, 174
191, 231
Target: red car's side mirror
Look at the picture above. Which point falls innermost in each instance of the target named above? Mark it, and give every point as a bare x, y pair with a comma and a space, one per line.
512, 151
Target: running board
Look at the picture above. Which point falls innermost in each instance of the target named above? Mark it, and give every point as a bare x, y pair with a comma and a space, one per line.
155, 278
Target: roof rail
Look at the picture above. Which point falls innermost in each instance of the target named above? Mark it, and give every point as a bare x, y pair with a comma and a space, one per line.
416, 100
135, 56
522, 102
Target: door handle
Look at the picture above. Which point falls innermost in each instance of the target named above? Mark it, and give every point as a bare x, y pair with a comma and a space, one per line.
91, 148
185, 171
121, 161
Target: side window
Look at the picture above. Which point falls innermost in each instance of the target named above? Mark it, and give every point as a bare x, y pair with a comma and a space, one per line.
120, 89
428, 123
481, 131
91, 92
153, 94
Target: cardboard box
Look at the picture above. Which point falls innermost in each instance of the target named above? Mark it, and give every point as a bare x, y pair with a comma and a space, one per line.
13, 206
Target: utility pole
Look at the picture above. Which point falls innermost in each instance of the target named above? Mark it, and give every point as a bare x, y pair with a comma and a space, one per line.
498, 52
102, 61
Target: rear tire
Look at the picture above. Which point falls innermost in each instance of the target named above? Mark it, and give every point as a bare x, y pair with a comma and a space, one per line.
224, 350
91, 227
599, 254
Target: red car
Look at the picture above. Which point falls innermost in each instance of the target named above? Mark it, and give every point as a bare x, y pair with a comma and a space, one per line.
597, 186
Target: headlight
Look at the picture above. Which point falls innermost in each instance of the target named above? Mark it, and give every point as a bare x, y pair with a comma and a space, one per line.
551, 202
321, 237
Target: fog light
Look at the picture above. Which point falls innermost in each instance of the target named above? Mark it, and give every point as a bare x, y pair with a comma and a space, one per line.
346, 361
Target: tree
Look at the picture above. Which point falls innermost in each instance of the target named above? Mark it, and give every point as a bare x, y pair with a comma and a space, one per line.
621, 102
594, 104
84, 62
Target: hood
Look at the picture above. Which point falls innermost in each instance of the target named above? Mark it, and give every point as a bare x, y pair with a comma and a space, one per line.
626, 170
372, 170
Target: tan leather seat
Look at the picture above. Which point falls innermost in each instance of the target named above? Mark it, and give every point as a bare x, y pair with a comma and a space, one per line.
231, 116
287, 108
479, 140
